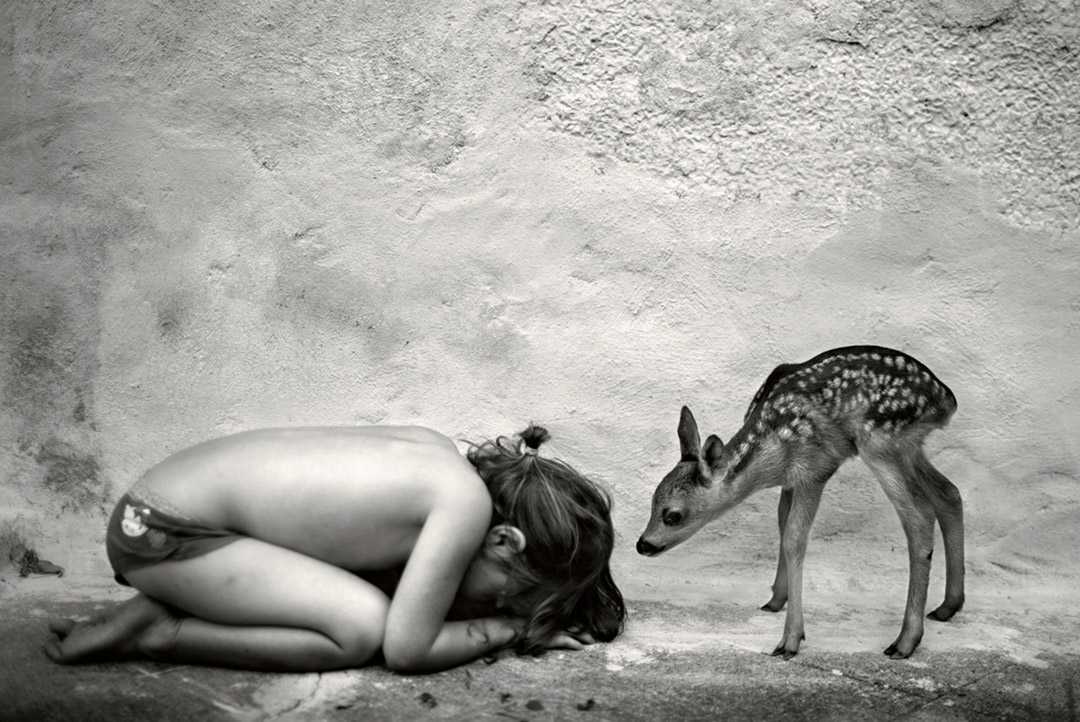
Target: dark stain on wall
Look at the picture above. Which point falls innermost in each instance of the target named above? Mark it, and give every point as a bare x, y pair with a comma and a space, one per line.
50, 277
73, 474
49, 384
42, 359
171, 316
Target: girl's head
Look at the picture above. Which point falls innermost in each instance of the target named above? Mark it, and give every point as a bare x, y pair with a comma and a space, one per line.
552, 528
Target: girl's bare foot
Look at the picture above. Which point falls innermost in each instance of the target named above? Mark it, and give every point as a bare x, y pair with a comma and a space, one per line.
138, 627
61, 627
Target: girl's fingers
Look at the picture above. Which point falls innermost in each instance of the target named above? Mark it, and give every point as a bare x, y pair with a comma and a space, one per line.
563, 640
580, 635
584, 638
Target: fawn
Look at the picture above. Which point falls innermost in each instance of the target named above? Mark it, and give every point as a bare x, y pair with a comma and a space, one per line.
803, 422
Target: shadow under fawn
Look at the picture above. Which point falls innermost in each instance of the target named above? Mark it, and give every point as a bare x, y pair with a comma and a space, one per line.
803, 422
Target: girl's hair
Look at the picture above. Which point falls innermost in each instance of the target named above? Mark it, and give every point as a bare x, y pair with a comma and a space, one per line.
566, 519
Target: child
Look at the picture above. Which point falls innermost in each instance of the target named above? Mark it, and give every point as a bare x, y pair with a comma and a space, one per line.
261, 550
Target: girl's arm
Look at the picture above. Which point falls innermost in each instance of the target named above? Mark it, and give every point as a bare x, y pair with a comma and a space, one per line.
417, 637
464, 641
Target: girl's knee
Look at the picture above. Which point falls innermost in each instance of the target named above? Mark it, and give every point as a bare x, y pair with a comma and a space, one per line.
360, 635
360, 648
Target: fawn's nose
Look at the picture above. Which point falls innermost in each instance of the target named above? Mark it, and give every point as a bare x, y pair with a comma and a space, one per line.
646, 548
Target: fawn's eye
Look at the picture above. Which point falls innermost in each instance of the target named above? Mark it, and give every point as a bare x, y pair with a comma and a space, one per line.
673, 518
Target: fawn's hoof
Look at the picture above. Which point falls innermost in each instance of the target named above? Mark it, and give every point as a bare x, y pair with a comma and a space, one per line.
899, 650
787, 649
780, 651
945, 612
773, 605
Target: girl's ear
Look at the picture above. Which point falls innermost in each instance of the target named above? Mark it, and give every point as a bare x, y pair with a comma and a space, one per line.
504, 541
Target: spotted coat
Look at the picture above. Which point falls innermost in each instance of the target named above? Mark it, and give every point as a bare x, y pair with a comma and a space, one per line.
855, 389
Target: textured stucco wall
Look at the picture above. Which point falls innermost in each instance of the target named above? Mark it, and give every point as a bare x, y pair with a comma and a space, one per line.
581, 213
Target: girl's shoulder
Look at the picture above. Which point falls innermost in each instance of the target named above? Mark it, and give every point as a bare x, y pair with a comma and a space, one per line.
422, 435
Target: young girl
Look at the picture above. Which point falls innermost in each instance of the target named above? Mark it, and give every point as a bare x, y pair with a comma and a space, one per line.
263, 550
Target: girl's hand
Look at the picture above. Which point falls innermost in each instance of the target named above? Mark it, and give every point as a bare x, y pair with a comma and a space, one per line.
573, 639
505, 630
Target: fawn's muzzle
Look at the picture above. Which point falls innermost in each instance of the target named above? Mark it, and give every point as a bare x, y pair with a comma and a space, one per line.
647, 549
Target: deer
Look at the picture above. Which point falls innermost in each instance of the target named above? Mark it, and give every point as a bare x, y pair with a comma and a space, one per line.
805, 420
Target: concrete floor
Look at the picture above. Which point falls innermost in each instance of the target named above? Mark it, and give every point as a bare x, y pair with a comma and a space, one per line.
703, 659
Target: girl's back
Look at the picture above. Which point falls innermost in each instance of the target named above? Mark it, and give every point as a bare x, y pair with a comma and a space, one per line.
356, 497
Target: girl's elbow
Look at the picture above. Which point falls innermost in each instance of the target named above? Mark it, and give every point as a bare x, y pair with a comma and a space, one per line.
404, 660
404, 651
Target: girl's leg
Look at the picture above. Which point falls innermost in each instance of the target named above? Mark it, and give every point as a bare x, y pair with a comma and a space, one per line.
120, 632
252, 605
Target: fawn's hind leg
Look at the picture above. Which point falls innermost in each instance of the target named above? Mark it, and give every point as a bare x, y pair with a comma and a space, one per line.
949, 509
916, 512
779, 585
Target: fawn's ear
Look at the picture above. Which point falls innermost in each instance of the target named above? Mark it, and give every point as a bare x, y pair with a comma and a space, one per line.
711, 453
689, 440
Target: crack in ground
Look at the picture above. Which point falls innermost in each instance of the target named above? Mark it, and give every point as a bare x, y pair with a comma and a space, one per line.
1070, 698
309, 697
215, 697
863, 680
949, 693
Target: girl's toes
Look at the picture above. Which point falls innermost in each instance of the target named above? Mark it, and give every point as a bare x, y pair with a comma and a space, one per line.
61, 627
53, 651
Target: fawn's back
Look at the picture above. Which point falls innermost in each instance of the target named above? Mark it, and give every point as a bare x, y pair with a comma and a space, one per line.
844, 394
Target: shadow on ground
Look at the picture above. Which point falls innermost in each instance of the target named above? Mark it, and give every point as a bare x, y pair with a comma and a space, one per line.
688, 661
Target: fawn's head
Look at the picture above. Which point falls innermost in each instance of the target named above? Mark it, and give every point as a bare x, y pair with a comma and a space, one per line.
687, 497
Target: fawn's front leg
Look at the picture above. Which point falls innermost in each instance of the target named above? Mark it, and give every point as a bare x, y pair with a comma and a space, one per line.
805, 497
780, 581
